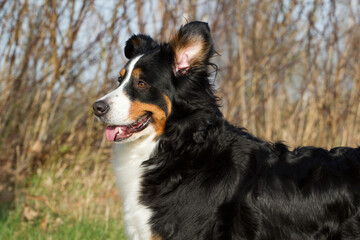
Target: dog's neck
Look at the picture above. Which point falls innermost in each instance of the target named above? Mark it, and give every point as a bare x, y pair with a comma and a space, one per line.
127, 160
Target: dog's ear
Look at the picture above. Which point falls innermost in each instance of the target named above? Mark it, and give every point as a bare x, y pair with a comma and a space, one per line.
139, 44
192, 46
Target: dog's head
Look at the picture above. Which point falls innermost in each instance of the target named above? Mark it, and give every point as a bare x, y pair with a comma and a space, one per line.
151, 80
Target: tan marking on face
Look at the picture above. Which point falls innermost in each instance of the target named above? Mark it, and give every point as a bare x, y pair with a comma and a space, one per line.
168, 104
155, 237
122, 72
138, 109
136, 73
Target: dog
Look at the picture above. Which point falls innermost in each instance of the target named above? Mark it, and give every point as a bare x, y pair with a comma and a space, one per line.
184, 172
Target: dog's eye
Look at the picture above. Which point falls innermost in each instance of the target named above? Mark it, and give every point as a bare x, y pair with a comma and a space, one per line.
142, 84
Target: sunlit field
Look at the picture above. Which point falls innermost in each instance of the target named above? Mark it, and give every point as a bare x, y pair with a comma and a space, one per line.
288, 71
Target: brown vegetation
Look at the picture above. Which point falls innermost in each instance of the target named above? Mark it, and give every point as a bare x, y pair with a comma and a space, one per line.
289, 70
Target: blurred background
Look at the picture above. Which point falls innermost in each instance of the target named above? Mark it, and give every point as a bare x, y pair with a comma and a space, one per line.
289, 70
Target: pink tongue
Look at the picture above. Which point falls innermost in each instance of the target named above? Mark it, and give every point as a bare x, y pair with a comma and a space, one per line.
111, 131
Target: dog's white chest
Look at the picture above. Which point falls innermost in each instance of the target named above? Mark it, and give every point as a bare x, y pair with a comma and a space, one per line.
127, 159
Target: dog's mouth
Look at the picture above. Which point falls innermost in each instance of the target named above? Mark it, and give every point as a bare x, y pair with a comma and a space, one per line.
122, 132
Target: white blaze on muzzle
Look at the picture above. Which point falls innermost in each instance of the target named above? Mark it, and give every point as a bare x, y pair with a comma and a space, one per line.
118, 101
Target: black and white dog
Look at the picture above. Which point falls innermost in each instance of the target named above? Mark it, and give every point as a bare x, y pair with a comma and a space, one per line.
185, 173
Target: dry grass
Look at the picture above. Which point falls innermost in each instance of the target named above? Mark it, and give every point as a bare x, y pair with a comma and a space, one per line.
295, 74
289, 70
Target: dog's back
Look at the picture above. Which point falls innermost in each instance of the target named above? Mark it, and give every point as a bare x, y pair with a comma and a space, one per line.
235, 186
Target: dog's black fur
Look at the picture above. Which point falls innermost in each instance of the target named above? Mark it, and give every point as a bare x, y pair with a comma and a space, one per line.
211, 180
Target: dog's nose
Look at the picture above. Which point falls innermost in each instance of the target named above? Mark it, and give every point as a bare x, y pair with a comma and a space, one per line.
100, 108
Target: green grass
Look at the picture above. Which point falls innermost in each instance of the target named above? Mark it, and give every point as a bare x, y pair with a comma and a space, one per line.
65, 202
13, 225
